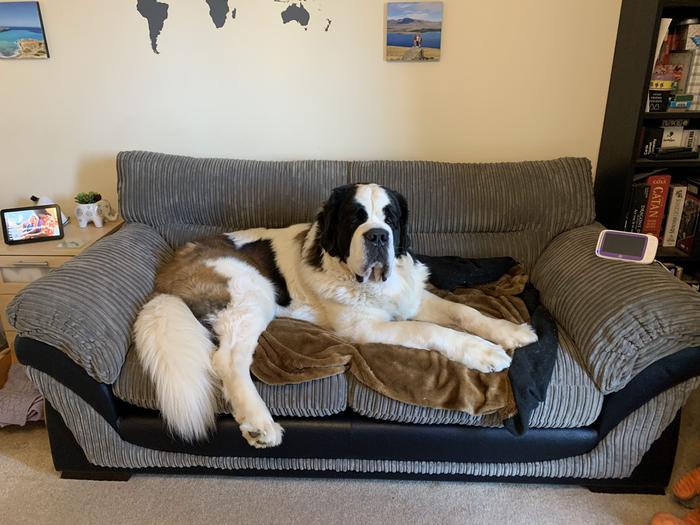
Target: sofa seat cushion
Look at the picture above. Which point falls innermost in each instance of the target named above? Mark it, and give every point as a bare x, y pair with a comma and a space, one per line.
322, 397
572, 400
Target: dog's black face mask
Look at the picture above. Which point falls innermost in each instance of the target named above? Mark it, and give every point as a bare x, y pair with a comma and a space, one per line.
365, 227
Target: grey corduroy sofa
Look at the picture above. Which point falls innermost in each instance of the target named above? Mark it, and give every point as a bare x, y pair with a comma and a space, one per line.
627, 361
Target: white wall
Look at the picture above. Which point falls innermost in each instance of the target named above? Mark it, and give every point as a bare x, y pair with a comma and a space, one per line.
518, 80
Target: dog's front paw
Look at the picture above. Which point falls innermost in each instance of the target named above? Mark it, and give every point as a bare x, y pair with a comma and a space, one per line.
264, 433
511, 336
479, 354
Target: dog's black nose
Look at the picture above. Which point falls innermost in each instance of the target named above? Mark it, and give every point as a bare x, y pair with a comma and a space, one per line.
377, 236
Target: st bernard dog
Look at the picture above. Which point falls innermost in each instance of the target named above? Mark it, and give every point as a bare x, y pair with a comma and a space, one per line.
349, 271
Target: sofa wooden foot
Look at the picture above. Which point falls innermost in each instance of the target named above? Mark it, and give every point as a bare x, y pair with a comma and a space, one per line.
96, 475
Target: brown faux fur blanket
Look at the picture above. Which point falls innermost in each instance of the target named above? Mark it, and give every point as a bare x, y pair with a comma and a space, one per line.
292, 351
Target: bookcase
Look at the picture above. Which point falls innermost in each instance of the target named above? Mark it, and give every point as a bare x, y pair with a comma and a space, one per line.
626, 116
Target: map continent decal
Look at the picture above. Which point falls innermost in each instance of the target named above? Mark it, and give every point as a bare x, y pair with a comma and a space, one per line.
296, 13
156, 13
218, 11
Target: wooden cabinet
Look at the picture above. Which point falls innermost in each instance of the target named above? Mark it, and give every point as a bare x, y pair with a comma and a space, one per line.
17, 271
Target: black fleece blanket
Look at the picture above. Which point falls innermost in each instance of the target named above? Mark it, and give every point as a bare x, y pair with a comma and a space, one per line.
532, 366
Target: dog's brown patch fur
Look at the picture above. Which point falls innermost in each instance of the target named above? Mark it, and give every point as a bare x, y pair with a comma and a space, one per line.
187, 276
202, 289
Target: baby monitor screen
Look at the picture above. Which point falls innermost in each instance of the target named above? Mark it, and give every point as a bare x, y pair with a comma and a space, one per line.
626, 245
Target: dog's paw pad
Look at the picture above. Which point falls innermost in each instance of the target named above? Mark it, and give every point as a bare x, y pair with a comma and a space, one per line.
493, 359
513, 336
262, 435
482, 356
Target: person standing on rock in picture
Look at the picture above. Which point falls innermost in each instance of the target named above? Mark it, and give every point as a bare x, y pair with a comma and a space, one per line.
417, 40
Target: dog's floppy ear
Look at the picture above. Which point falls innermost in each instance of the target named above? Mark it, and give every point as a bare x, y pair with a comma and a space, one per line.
404, 241
327, 220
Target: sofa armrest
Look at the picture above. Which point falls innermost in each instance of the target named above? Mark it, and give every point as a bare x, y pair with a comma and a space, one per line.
86, 307
622, 316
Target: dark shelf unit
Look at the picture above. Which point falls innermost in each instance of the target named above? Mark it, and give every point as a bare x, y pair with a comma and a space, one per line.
663, 115
626, 115
648, 164
675, 255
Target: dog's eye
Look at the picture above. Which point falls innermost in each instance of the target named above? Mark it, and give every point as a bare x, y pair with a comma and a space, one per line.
390, 221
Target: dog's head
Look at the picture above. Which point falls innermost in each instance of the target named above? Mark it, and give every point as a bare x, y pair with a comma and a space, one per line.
365, 227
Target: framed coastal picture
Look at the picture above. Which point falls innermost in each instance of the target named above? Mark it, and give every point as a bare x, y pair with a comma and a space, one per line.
413, 31
22, 31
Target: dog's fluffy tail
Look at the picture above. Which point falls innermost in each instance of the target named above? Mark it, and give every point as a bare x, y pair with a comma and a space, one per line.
175, 350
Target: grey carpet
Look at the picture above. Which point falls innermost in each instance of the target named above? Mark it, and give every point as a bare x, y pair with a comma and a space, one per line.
32, 493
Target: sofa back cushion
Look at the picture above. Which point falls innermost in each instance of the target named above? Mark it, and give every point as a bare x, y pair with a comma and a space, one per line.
488, 210
158, 189
471, 210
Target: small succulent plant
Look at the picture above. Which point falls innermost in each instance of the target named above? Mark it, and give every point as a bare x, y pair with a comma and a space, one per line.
88, 197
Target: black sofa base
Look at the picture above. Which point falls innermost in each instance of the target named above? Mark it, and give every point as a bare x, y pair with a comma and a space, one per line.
145, 428
650, 477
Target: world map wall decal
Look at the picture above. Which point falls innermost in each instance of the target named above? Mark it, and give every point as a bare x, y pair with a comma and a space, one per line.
156, 13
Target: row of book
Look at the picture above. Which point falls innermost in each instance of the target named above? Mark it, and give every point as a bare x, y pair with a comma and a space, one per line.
673, 139
675, 80
669, 211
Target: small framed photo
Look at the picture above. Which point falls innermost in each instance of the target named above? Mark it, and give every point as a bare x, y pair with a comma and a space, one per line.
413, 31
22, 31
31, 224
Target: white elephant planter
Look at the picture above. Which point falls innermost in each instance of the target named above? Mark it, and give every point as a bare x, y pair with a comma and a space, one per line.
98, 213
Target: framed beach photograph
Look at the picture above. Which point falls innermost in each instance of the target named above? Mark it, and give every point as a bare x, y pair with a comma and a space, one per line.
22, 31
413, 31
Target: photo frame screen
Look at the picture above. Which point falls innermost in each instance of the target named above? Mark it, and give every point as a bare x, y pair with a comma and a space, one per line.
31, 224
